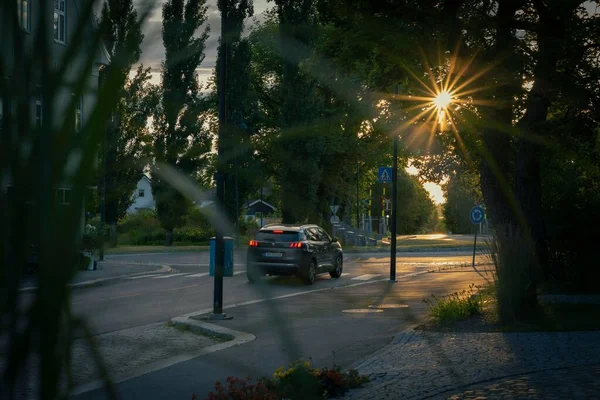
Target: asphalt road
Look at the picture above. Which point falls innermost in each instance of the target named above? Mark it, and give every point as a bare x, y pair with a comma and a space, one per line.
289, 318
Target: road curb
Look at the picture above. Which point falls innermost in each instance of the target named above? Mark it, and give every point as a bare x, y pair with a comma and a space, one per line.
233, 337
98, 282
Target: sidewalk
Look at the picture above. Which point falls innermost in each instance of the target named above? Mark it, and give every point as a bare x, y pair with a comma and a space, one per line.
534, 365
107, 270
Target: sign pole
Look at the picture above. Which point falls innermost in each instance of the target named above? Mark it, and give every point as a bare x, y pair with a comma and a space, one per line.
394, 207
217, 313
474, 246
477, 216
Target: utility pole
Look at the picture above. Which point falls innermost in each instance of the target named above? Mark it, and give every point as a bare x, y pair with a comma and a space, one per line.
219, 241
103, 196
357, 198
394, 206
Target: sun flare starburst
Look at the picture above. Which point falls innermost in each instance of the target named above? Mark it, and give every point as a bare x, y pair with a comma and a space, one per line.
447, 99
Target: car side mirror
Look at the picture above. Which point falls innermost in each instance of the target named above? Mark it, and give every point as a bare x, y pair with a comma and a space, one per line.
334, 239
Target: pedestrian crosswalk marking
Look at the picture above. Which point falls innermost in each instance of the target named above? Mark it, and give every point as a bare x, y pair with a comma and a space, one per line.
143, 276
197, 275
365, 277
170, 275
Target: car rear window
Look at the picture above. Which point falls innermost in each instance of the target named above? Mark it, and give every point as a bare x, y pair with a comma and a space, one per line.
271, 236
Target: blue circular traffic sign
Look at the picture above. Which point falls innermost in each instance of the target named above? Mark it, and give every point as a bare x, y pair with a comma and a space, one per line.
477, 215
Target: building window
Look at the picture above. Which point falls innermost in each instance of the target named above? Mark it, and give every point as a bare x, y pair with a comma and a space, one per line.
60, 21
64, 196
141, 193
79, 114
38, 110
24, 11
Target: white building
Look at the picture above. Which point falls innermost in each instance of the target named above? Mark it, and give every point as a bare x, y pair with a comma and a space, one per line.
143, 198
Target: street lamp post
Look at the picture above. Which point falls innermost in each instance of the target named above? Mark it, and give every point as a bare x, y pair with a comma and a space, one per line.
219, 240
441, 102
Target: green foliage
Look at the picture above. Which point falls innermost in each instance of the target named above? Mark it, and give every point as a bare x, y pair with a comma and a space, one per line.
127, 137
415, 208
455, 307
180, 139
144, 228
126, 131
142, 219
36, 159
461, 195
93, 234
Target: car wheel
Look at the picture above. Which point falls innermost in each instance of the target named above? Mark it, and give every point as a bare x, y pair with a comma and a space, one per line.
338, 267
252, 274
311, 273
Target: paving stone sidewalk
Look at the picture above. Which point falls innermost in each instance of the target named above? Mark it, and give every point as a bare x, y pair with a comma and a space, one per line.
432, 365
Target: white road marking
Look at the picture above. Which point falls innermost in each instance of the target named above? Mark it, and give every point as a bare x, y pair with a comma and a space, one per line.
171, 275
241, 271
200, 275
365, 277
144, 276
285, 296
345, 273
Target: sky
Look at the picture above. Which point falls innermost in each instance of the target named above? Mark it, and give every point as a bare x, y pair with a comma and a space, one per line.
153, 52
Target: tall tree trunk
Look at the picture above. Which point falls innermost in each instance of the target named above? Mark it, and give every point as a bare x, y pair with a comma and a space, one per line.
112, 234
495, 167
168, 237
528, 177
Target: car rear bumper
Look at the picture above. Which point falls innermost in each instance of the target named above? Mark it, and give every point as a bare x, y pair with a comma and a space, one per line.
292, 264
271, 268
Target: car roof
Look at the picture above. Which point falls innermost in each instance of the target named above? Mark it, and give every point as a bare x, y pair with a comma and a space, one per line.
288, 227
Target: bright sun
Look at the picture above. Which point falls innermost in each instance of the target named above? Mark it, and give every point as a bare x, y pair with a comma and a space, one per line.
442, 100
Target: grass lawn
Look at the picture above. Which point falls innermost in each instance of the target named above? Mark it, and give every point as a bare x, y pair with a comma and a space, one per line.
156, 249
410, 244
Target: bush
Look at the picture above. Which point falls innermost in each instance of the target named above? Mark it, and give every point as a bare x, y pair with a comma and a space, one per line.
143, 228
455, 307
515, 265
192, 234
140, 221
92, 234
298, 381
197, 219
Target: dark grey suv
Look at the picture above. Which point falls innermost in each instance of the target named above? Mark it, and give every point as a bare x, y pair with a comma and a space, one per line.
300, 250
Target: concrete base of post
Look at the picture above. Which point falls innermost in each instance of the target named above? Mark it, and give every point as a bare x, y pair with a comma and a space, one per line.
217, 317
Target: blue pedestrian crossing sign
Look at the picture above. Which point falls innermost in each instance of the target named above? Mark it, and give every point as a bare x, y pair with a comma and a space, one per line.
477, 215
385, 174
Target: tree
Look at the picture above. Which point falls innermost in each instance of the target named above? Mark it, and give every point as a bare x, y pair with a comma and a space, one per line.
414, 206
122, 38
132, 135
180, 140
239, 166
461, 195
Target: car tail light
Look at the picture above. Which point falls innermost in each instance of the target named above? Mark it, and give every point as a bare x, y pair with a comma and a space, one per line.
253, 243
277, 231
297, 245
